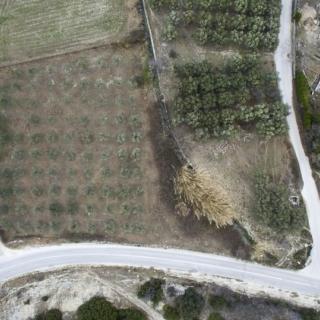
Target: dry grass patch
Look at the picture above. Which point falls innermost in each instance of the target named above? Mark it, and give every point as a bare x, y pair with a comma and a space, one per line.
196, 190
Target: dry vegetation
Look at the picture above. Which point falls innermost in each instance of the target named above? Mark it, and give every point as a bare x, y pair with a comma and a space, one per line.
195, 190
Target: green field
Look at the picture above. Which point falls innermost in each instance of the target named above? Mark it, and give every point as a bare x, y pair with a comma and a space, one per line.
33, 28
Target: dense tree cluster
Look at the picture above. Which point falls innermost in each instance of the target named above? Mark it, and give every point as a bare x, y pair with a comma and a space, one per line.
98, 308
273, 207
217, 101
251, 24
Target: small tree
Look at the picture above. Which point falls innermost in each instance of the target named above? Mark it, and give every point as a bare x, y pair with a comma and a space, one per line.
190, 304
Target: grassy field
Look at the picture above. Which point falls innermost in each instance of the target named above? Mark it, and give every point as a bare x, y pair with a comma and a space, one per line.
32, 28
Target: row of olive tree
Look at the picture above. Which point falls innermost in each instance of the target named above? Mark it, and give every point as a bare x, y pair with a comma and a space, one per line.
218, 101
250, 24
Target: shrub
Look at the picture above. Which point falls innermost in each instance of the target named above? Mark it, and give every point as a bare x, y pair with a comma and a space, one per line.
190, 304
297, 17
303, 95
152, 290
272, 206
309, 314
56, 208
97, 308
53, 314
170, 313
37, 138
216, 316
217, 302
131, 314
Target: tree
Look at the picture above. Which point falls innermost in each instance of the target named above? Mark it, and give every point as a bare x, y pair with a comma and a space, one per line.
152, 290
190, 304
53, 314
97, 308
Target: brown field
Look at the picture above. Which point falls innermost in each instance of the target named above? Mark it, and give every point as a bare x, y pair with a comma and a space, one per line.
85, 157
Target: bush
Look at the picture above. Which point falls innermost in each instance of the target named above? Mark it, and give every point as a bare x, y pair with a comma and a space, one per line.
152, 290
53, 314
97, 308
217, 302
309, 314
171, 313
130, 314
190, 304
216, 316
303, 95
272, 205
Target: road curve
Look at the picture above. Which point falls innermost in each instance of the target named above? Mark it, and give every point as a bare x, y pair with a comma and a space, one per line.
20, 262
283, 60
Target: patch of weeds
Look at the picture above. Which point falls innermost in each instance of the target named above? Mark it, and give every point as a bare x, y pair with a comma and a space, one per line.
52, 119
18, 138
55, 190
84, 120
18, 191
106, 172
88, 173
122, 154
72, 191
6, 192
54, 154
69, 137
19, 155
88, 156
19, 173
110, 226
70, 155
105, 155
38, 191
218, 302
90, 209
39, 210
87, 138
53, 137
38, 138
136, 137
90, 190
120, 118
36, 154
121, 138
108, 191
21, 209
73, 207
72, 172
37, 172
35, 120
53, 172
136, 154
56, 208
4, 209
126, 172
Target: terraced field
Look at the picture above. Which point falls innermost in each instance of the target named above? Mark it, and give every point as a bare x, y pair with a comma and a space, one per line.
36, 28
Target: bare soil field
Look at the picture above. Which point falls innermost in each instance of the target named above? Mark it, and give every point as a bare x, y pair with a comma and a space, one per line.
34, 28
233, 162
84, 155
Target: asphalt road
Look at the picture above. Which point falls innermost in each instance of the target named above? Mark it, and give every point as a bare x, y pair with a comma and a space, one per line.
181, 262
283, 60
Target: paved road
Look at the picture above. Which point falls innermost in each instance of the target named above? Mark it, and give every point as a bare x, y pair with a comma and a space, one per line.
309, 192
17, 263
178, 261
